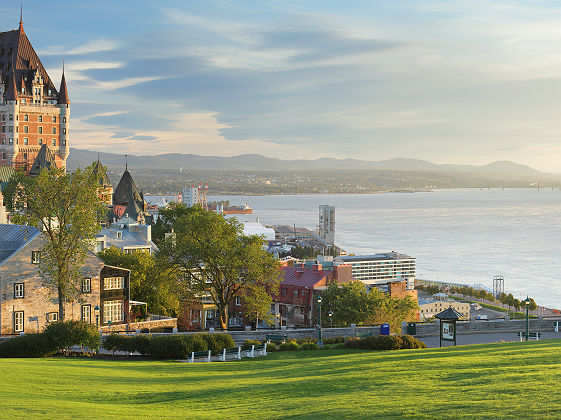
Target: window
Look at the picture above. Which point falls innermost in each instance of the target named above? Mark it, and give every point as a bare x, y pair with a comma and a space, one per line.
295, 292
63, 142
26, 118
3, 117
113, 311
26, 129
3, 154
283, 292
54, 119
211, 313
11, 117
18, 291
35, 257
25, 140
52, 316
40, 141
64, 131
113, 283
53, 130
11, 141
40, 130
3, 129
11, 129
40, 118
18, 321
3, 140
237, 300
86, 285
119, 234
53, 142
87, 314
64, 120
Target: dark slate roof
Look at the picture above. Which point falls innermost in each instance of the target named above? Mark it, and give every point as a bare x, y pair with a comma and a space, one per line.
100, 174
449, 313
6, 172
303, 277
45, 159
15, 48
63, 95
126, 190
13, 237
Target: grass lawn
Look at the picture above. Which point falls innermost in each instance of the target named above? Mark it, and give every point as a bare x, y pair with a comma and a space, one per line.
517, 380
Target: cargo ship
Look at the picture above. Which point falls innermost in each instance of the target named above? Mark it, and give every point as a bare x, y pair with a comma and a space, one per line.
243, 209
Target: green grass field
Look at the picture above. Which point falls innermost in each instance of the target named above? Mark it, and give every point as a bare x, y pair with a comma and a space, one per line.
516, 380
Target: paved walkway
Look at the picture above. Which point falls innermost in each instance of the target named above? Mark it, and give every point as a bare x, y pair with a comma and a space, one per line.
491, 337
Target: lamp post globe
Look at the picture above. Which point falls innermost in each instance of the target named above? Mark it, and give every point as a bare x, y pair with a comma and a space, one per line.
318, 300
330, 314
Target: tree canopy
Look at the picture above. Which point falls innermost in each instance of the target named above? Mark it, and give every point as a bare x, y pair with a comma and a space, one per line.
66, 208
212, 257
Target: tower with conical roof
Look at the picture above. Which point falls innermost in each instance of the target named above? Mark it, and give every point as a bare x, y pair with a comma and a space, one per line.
33, 113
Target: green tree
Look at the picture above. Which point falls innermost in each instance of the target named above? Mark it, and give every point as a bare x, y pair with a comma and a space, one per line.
257, 304
212, 256
148, 283
533, 305
67, 209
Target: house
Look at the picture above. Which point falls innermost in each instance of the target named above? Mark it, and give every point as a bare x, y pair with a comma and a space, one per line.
127, 235
28, 305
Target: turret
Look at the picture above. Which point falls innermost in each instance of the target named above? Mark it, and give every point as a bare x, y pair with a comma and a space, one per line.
64, 105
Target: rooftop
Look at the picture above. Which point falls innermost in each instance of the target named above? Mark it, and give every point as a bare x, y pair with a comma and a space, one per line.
303, 277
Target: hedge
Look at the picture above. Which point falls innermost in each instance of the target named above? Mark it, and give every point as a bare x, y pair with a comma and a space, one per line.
385, 342
57, 337
170, 346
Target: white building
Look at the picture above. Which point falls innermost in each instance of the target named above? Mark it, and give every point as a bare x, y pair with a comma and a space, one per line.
190, 196
127, 235
381, 268
256, 228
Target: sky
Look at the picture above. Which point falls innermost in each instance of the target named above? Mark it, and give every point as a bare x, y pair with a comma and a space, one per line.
446, 81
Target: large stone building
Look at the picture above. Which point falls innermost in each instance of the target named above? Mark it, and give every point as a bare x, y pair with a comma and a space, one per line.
34, 115
27, 305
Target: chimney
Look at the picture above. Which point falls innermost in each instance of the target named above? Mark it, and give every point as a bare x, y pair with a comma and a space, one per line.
317, 267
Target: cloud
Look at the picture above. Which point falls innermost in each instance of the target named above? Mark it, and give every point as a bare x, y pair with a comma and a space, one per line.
91, 47
143, 138
122, 134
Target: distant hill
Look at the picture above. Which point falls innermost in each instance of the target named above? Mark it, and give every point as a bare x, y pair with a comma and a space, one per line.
254, 162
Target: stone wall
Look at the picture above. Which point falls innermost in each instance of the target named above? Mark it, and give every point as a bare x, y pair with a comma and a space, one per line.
153, 326
38, 299
479, 327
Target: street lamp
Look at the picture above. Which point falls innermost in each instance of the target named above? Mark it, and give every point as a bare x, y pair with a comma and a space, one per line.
319, 329
330, 313
96, 310
527, 303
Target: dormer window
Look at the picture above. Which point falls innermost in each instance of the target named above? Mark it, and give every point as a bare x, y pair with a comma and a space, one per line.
119, 234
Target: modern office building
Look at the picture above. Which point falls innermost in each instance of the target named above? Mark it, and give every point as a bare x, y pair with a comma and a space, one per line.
381, 268
326, 227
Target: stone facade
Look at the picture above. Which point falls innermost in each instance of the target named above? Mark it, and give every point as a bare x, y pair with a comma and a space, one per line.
38, 300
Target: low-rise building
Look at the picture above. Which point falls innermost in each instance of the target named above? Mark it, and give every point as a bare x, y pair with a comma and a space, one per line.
428, 308
28, 305
381, 268
128, 235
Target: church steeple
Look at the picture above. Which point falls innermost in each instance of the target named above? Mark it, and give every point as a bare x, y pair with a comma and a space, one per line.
21, 17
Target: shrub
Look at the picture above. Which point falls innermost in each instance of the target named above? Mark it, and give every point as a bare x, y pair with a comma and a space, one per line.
271, 347
65, 334
114, 342
29, 345
248, 343
309, 346
334, 340
306, 340
169, 347
326, 347
217, 342
288, 346
140, 344
384, 342
196, 342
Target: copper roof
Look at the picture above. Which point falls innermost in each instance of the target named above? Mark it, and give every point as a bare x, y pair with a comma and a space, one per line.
15, 48
45, 159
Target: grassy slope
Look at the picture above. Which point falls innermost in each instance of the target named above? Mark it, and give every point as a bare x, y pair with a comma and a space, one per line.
484, 381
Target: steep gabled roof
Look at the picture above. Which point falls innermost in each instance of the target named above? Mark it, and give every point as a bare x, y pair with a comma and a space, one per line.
6, 173
15, 47
126, 190
101, 175
45, 159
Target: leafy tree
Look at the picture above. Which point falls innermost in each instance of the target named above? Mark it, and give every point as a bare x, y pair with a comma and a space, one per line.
353, 303
67, 209
533, 305
212, 256
257, 304
148, 283
166, 219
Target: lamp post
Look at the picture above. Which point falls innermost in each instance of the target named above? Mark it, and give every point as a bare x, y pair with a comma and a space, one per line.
96, 310
330, 313
319, 329
527, 303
